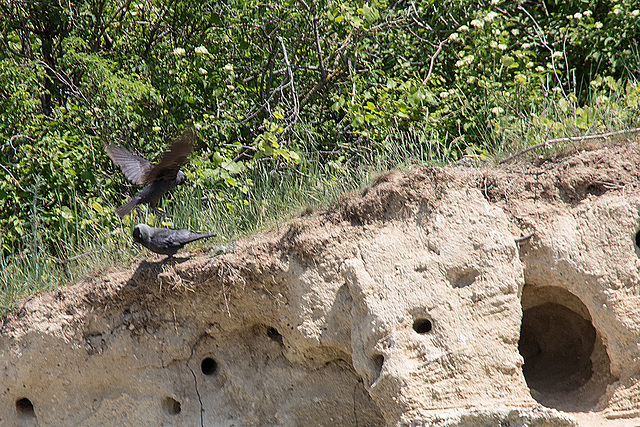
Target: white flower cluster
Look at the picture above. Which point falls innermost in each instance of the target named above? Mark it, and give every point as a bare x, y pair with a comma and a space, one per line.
201, 50
467, 60
587, 13
579, 15
490, 16
496, 45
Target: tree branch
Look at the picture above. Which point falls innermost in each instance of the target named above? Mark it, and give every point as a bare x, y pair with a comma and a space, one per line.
433, 59
569, 139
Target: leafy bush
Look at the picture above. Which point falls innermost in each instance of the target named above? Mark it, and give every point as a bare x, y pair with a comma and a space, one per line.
283, 87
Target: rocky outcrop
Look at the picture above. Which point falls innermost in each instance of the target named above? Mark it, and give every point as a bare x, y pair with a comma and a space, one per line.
502, 296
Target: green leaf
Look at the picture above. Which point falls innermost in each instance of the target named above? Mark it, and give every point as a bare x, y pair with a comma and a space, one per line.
66, 213
563, 104
371, 14
234, 167
97, 207
507, 61
356, 22
217, 158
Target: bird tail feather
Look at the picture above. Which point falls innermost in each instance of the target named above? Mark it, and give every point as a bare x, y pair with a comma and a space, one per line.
127, 207
202, 236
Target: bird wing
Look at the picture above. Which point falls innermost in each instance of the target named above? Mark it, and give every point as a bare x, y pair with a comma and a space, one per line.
182, 237
135, 168
173, 159
168, 241
167, 238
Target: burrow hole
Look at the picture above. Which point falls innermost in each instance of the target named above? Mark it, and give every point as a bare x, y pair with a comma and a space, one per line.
24, 407
378, 361
209, 366
171, 405
566, 365
274, 335
422, 326
462, 277
638, 240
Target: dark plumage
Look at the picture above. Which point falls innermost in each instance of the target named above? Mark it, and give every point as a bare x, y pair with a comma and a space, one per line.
158, 178
165, 241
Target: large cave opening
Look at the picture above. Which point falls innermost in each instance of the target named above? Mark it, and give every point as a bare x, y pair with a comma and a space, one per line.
566, 365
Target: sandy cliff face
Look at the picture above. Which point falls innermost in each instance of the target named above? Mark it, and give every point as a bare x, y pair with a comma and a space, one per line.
416, 302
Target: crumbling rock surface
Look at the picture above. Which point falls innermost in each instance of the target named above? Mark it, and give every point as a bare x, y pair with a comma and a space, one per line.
448, 297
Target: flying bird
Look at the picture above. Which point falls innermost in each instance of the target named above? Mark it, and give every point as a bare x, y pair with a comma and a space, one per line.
158, 178
165, 241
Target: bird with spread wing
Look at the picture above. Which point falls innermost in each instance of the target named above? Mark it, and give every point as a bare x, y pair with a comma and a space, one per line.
157, 178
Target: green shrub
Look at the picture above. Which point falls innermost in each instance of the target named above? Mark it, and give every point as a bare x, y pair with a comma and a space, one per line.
270, 86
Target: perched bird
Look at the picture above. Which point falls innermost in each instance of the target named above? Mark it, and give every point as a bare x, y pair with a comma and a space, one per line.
165, 241
158, 178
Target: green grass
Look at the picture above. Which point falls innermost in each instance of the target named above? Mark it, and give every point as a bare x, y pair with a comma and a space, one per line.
279, 192
609, 108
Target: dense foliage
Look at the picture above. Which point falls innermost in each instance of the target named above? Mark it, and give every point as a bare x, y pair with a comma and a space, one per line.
284, 84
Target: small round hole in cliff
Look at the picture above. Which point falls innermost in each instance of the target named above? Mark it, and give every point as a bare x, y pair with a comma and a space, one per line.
25, 408
422, 326
209, 366
566, 365
171, 405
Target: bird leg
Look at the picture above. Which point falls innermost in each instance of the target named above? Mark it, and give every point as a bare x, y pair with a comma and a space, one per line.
166, 260
160, 213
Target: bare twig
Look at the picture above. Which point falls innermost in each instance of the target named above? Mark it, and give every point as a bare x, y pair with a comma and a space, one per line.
14, 178
417, 21
64, 262
323, 73
570, 139
433, 59
337, 69
523, 238
19, 135
290, 72
543, 40
66, 80
73, 258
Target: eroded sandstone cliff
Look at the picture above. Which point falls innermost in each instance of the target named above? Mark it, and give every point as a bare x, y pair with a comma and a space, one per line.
497, 296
